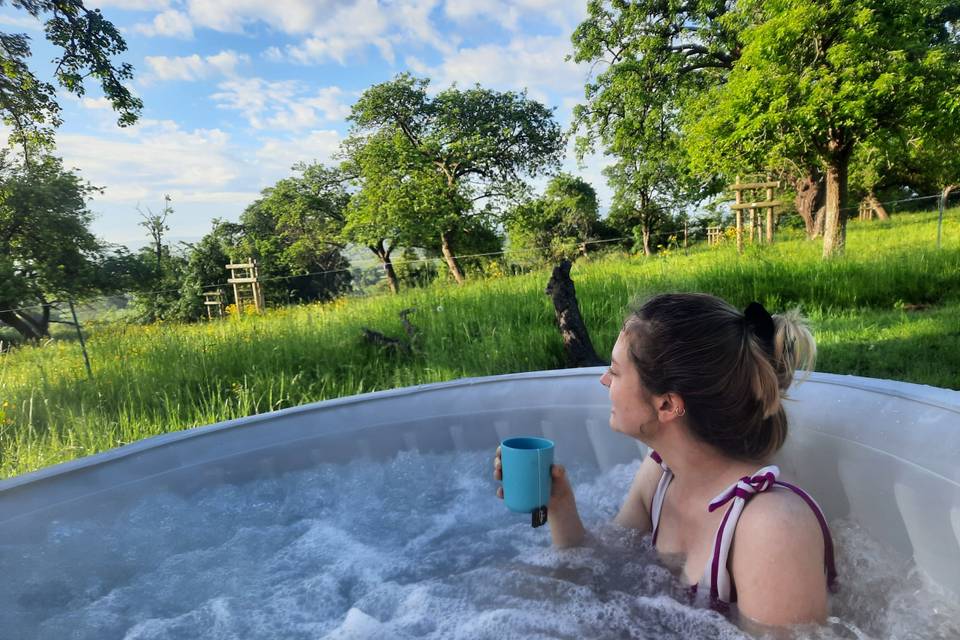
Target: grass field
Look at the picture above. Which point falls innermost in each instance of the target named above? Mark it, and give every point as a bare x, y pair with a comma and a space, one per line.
889, 308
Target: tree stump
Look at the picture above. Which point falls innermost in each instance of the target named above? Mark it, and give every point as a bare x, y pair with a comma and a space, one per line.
576, 340
395, 344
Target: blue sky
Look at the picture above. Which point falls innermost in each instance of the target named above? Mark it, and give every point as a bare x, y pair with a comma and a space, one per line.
236, 91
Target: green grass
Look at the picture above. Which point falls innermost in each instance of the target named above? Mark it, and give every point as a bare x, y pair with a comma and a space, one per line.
890, 308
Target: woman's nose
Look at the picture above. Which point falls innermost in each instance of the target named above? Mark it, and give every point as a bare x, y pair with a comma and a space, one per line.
604, 379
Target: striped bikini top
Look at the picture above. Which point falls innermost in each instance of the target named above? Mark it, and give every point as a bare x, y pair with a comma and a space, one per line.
716, 578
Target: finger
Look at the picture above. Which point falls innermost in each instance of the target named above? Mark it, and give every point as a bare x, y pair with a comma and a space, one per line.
498, 452
500, 492
498, 474
557, 471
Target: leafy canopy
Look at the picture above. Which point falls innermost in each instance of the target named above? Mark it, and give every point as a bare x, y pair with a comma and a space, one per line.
87, 42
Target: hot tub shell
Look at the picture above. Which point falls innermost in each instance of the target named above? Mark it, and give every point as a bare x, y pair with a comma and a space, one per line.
885, 454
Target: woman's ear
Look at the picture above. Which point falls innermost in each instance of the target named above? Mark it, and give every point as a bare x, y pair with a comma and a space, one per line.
670, 406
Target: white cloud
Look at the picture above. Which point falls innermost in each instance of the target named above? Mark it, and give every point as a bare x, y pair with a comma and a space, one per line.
511, 13
330, 29
25, 23
535, 63
285, 105
152, 156
193, 67
168, 23
288, 16
130, 5
273, 54
276, 155
351, 27
96, 103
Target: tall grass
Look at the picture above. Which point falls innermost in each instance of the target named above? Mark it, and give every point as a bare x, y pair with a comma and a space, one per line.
889, 308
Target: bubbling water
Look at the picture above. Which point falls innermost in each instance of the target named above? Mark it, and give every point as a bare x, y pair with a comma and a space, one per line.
414, 547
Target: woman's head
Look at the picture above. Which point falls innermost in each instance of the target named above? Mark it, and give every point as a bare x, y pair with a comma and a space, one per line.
730, 369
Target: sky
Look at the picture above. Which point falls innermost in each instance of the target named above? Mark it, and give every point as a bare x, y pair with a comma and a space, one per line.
237, 91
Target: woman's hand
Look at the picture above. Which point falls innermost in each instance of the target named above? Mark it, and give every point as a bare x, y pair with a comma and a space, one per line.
565, 526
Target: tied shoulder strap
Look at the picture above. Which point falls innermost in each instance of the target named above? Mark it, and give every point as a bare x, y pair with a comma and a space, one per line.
717, 575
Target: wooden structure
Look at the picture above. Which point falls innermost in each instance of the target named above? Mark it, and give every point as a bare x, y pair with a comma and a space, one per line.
748, 202
245, 278
213, 301
714, 235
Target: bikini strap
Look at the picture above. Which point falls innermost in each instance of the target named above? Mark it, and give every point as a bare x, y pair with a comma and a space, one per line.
717, 575
657, 504
828, 557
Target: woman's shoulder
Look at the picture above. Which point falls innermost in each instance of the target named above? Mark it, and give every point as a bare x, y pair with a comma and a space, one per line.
780, 515
778, 559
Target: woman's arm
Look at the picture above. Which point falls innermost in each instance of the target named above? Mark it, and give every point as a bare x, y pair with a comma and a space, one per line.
777, 561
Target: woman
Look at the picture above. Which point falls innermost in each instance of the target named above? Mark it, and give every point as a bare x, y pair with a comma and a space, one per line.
702, 385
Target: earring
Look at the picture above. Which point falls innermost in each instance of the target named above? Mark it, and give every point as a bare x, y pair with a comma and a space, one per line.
680, 411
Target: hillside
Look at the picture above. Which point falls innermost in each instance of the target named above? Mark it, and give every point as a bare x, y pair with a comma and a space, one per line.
890, 308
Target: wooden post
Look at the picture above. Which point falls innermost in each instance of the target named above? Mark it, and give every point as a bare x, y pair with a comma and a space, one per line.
83, 345
250, 277
739, 200
770, 218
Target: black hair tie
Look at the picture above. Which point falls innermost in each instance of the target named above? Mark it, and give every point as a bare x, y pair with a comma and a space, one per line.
761, 323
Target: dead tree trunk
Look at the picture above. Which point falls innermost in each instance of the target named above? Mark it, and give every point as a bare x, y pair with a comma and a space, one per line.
23, 324
809, 199
577, 347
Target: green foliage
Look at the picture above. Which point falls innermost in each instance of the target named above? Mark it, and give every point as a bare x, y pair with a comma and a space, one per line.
555, 226
88, 43
295, 230
47, 252
441, 154
815, 80
206, 268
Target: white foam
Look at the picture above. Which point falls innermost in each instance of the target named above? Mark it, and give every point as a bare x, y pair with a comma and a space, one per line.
415, 547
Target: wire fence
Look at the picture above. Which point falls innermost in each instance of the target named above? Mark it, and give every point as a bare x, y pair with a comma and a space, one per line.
694, 231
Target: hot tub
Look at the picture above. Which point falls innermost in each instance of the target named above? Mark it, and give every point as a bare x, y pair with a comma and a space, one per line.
882, 454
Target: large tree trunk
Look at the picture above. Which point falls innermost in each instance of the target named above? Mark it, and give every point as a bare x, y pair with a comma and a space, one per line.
809, 199
645, 229
577, 346
835, 222
450, 258
384, 255
22, 325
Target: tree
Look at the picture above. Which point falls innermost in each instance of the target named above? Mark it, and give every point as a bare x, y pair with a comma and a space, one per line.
816, 79
156, 226
206, 267
655, 58
88, 43
47, 252
295, 230
479, 143
399, 199
555, 226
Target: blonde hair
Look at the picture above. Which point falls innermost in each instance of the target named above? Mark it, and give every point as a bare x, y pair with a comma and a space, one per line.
732, 380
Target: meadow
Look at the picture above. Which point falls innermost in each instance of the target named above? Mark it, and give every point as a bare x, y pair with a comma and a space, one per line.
889, 308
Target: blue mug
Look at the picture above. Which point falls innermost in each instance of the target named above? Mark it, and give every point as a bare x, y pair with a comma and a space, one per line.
525, 463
